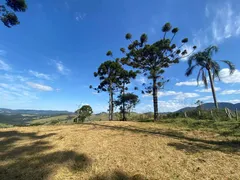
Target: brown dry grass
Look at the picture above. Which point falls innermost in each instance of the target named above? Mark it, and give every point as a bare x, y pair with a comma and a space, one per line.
116, 151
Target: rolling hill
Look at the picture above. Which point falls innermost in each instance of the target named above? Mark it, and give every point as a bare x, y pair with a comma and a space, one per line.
37, 112
208, 106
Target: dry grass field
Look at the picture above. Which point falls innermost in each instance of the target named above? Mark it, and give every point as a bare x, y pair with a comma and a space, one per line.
116, 151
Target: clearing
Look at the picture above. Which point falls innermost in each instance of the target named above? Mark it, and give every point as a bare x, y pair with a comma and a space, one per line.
116, 151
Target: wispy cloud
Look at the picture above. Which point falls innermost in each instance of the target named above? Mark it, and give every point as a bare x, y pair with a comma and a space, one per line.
224, 23
209, 90
80, 16
61, 68
12, 78
207, 13
40, 87
3, 52
39, 75
4, 66
16, 92
152, 30
66, 5
227, 92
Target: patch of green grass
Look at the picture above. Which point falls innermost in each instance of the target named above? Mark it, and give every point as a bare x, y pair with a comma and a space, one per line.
52, 120
5, 125
226, 128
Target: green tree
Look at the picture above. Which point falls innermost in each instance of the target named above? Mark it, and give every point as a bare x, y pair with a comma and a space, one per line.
207, 66
82, 113
154, 58
199, 103
108, 74
126, 103
124, 78
7, 16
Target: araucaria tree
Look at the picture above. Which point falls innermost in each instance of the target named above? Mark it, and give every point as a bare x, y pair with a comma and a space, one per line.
124, 79
7, 16
207, 67
126, 103
82, 113
108, 73
153, 59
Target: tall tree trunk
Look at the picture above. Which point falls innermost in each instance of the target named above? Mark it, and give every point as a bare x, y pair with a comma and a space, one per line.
155, 98
111, 106
123, 110
213, 89
110, 103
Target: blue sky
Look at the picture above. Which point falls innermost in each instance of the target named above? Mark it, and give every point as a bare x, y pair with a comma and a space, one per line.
47, 62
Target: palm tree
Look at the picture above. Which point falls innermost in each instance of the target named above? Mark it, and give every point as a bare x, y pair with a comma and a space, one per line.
208, 66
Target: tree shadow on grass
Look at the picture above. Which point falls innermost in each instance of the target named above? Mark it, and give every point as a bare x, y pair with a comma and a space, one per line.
11, 137
118, 175
226, 146
35, 160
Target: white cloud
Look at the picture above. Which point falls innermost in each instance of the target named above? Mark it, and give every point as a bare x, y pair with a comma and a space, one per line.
205, 98
143, 108
189, 83
80, 16
39, 86
209, 90
4, 66
177, 95
234, 101
141, 80
226, 78
172, 105
40, 75
61, 68
230, 92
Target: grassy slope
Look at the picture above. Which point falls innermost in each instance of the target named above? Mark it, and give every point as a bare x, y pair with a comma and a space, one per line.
117, 150
53, 119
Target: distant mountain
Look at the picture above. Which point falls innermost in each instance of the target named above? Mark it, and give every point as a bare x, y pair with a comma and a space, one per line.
186, 109
222, 105
208, 106
35, 112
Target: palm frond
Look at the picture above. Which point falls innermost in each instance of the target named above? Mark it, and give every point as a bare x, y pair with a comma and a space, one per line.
199, 73
190, 70
215, 69
204, 79
231, 66
210, 50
